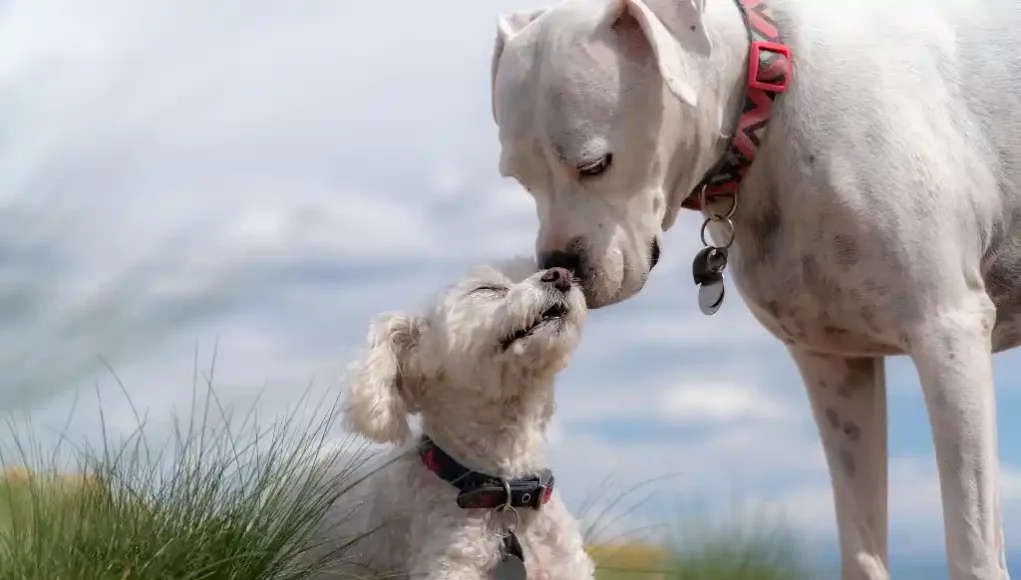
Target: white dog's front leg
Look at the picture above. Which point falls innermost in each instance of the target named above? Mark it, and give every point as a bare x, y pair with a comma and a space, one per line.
953, 355
848, 398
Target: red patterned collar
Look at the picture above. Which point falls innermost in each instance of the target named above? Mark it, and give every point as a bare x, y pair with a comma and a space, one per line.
769, 72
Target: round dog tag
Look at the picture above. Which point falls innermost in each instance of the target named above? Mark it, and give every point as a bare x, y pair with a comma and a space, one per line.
710, 296
510, 568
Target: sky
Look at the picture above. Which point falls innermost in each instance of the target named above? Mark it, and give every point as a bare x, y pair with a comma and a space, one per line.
263, 177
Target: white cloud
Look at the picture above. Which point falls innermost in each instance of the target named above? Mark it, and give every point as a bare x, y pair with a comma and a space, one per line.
721, 402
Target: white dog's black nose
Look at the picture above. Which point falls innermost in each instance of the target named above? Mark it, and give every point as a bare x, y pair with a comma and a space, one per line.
569, 261
559, 278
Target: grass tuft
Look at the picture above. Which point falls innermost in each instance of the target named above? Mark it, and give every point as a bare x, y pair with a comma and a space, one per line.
750, 547
216, 500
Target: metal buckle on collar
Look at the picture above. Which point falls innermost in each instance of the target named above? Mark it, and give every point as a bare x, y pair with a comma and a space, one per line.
754, 63
542, 489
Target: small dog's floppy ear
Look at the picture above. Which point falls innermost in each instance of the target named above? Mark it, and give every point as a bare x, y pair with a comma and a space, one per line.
381, 393
507, 27
674, 38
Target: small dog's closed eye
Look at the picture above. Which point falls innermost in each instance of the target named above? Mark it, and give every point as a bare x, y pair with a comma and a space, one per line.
478, 368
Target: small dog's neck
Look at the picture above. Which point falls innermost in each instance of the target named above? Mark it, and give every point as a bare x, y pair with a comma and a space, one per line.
503, 436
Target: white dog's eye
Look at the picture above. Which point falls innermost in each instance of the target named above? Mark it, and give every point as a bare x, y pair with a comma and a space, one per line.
594, 168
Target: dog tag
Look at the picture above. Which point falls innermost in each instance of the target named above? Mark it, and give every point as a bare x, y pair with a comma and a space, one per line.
707, 273
708, 264
512, 565
711, 294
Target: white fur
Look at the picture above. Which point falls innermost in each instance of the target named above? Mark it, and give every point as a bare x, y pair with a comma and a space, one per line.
486, 406
881, 216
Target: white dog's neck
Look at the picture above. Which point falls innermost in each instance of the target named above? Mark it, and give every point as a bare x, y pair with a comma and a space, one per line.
503, 437
723, 78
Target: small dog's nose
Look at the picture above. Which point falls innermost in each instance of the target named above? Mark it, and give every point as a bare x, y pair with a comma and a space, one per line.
560, 259
560, 278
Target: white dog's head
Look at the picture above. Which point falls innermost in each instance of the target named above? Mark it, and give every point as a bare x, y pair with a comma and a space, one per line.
500, 330
597, 107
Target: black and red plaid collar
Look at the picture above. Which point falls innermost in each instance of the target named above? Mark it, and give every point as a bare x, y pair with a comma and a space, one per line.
479, 490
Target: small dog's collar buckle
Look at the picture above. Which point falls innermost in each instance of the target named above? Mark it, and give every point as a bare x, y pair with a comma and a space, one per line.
544, 490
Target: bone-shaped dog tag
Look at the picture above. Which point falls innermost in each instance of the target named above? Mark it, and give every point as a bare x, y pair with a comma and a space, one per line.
512, 565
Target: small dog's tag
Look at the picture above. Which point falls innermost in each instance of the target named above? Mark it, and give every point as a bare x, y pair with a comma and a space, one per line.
512, 563
707, 273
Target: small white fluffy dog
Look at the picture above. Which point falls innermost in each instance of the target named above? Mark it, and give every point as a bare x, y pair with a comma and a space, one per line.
479, 369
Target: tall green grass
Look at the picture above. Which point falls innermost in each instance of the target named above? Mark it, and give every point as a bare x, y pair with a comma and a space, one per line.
219, 499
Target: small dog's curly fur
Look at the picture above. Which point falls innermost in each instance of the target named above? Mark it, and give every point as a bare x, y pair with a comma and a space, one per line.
479, 369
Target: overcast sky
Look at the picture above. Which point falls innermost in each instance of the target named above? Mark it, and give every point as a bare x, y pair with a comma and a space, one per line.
271, 174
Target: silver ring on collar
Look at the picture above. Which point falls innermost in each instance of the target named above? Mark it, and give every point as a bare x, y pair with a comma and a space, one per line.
508, 507
729, 228
715, 216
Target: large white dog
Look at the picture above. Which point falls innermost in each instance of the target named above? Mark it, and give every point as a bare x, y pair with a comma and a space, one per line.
878, 212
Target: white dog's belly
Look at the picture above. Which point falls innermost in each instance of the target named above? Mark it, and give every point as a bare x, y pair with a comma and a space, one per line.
825, 289
848, 327
817, 277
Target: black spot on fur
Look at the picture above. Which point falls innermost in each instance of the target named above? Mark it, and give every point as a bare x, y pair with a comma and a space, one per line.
832, 418
852, 431
764, 224
876, 289
834, 331
846, 249
859, 377
809, 269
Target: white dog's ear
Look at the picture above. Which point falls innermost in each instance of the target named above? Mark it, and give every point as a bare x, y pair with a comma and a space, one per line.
507, 27
383, 384
675, 36
684, 20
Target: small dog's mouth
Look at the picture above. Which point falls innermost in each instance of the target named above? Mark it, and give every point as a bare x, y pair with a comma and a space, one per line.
554, 314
